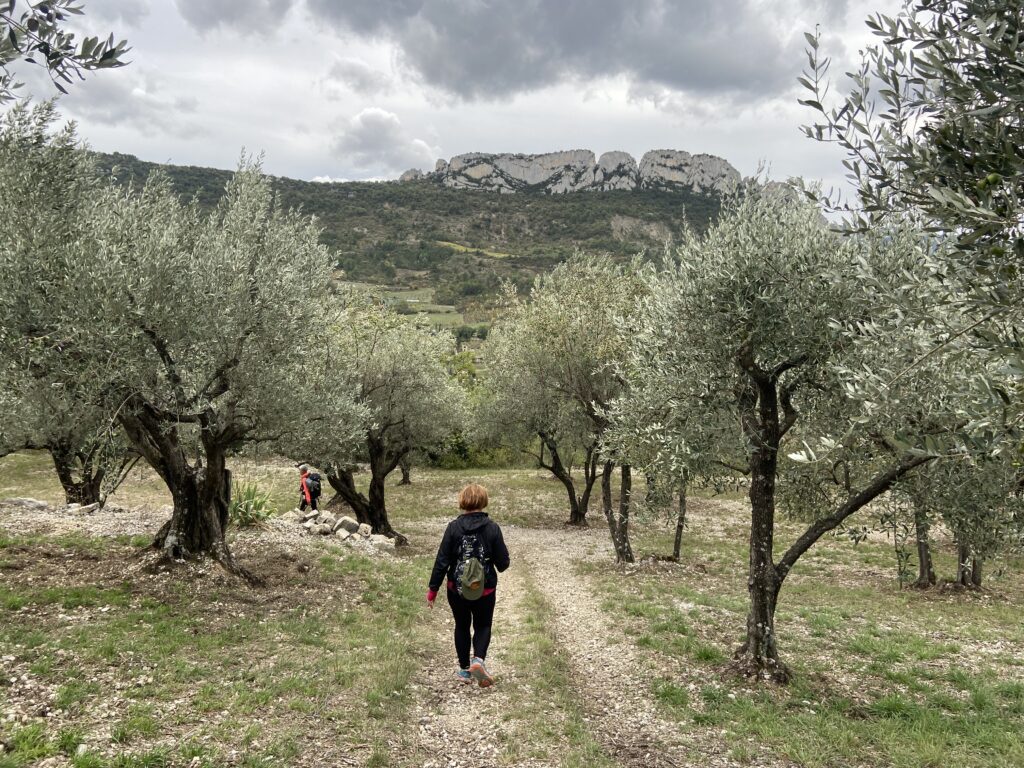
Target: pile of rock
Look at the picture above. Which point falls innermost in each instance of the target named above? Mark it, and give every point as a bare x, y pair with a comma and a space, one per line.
344, 529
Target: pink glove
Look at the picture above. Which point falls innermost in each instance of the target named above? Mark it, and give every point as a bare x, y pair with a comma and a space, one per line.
431, 596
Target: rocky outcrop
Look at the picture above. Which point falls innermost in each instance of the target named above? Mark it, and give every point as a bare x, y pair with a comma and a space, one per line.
577, 171
616, 170
672, 169
554, 172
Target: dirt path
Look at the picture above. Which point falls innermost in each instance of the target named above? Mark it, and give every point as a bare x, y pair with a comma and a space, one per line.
610, 682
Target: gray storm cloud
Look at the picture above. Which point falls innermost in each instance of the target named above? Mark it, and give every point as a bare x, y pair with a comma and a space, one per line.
478, 49
359, 76
247, 16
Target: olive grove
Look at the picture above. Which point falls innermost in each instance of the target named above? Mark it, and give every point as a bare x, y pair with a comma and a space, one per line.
742, 350
198, 333
550, 372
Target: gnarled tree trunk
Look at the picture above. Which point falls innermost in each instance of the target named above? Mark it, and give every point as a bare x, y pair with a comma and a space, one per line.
578, 504
201, 492
84, 472
82, 482
406, 467
369, 508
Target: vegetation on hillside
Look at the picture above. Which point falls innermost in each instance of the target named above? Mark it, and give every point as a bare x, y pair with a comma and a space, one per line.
461, 242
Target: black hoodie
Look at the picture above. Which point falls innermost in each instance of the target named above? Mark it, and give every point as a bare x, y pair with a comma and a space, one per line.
448, 553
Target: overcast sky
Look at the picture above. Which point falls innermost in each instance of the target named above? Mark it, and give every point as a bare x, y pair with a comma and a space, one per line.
354, 89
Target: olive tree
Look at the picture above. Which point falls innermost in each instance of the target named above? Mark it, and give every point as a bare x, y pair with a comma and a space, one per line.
36, 33
978, 499
518, 403
200, 332
557, 350
89, 450
398, 371
742, 350
47, 188
932, 124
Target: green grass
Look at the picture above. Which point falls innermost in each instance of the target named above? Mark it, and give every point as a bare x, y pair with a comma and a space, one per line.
468, 249
880, 677
209, 664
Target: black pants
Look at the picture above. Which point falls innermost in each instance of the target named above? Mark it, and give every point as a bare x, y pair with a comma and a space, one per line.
479, 613
312, 504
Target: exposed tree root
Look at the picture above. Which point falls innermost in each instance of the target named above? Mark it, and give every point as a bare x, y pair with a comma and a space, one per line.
172, 550
761, 668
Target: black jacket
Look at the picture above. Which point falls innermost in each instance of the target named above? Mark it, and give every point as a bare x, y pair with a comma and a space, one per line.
448, 553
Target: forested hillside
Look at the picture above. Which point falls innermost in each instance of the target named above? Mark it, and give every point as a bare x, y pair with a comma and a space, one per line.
459, 242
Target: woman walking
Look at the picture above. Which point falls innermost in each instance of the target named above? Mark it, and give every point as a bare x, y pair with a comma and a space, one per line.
471, 554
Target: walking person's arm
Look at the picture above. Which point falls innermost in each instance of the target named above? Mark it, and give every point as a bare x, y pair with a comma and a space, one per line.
441, 563
499, 552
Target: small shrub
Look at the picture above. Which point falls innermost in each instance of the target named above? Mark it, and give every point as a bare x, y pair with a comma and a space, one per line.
249, 505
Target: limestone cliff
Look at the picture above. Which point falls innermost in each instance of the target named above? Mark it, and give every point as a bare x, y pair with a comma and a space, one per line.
577, 171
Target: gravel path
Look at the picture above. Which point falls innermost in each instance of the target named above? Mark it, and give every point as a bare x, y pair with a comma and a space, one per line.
613, 683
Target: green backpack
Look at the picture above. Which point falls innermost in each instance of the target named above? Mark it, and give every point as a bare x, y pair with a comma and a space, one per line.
470, 573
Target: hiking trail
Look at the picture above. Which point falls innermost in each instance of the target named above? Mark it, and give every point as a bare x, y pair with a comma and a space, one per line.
609, 683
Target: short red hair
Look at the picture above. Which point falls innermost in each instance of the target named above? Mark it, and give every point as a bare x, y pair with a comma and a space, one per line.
473, 498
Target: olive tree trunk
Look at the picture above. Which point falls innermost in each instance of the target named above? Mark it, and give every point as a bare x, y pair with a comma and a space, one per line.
86, 475
406, 467
925, 567
677, 544
369, 508
767, 414
618, 522
81, 480
200, 491
969, 566
578, 503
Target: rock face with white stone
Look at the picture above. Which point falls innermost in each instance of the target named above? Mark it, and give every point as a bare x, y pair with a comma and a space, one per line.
671, 169
553, 172
576, 170
413, 174
616, 170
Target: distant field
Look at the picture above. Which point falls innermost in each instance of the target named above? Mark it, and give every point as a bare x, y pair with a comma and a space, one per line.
470, 249
419, 300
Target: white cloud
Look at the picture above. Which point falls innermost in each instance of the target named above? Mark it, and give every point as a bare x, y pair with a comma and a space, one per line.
375, 140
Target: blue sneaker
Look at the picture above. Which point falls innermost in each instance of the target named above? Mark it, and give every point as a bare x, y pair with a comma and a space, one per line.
463, 676
479, 673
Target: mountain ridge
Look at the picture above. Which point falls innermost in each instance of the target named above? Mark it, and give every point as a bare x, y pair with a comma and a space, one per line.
458, 242
578, 170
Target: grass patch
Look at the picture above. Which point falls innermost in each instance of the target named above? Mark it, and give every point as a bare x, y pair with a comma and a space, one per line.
880, 677
334, 653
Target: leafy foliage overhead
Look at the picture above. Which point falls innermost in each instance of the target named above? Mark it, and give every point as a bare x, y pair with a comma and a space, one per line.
39, 35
